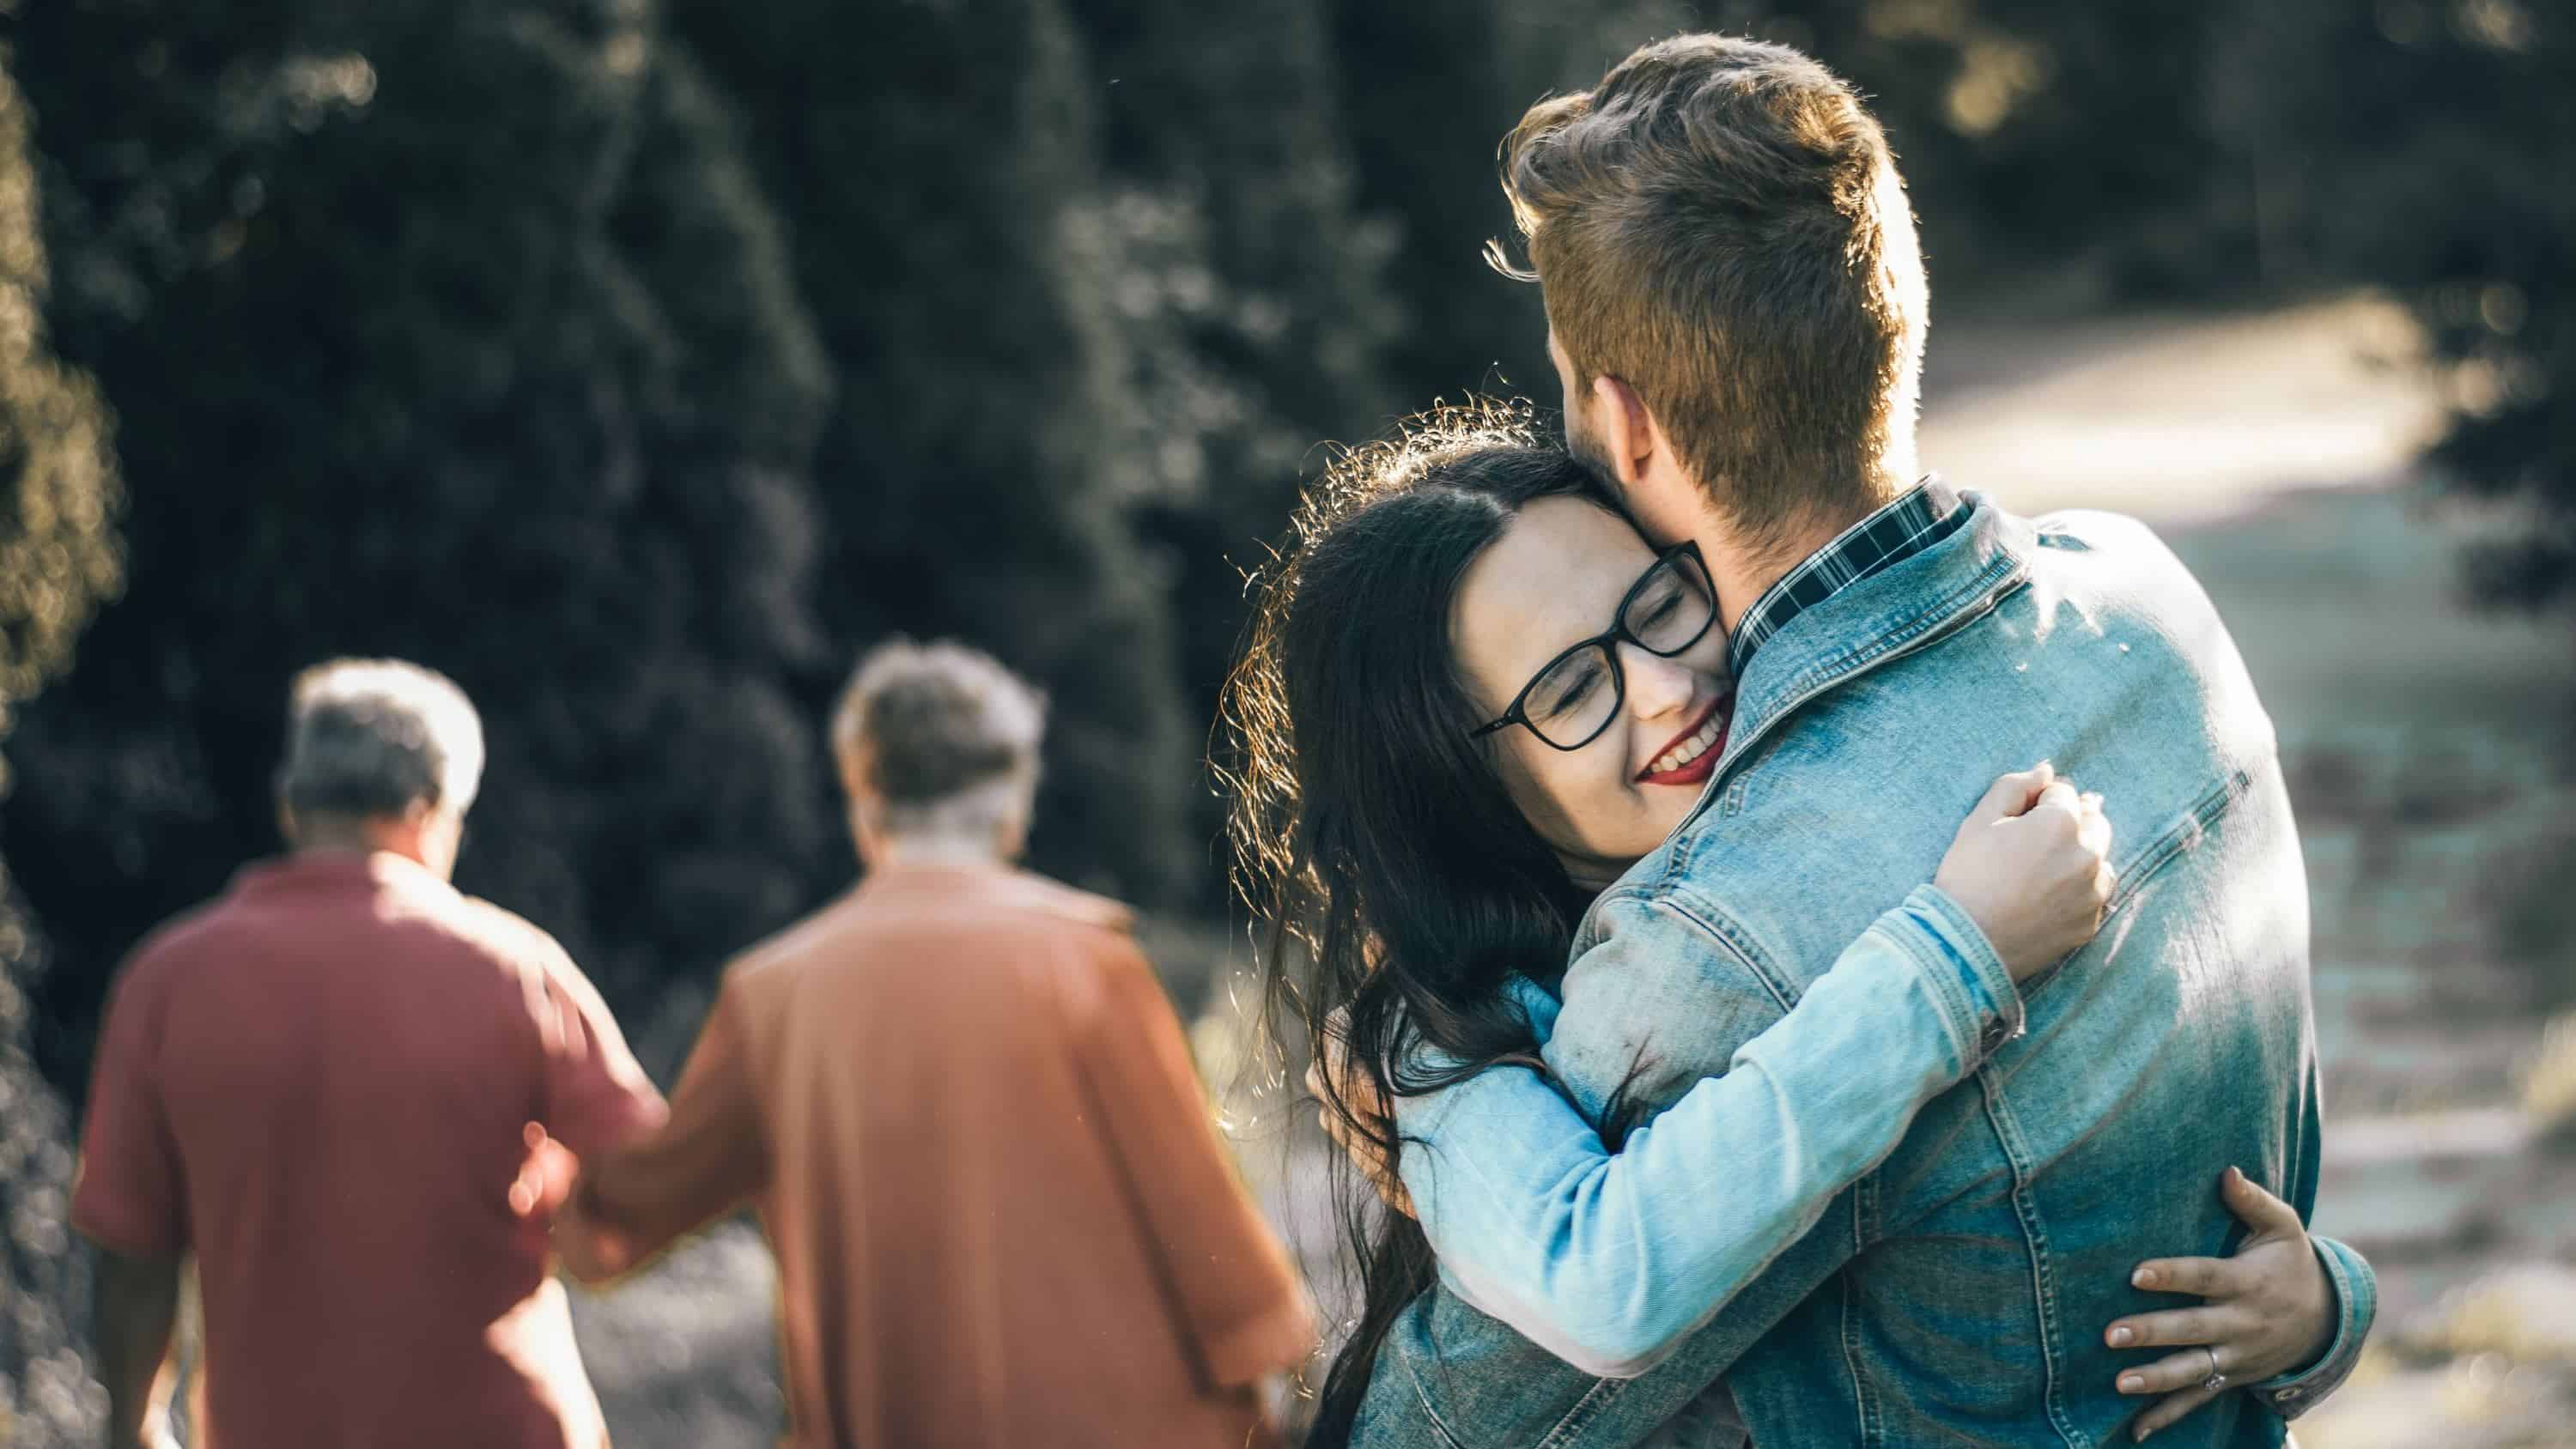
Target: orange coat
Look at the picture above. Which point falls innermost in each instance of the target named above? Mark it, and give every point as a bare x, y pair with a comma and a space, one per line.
967, 1116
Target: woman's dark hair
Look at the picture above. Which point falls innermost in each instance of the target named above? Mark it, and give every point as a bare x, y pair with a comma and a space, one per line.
1398, 884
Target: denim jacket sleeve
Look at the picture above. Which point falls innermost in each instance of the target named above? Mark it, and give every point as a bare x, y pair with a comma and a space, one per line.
2356, 1289
1609, 1260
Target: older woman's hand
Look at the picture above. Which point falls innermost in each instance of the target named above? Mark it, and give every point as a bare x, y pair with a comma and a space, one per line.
2268, 1309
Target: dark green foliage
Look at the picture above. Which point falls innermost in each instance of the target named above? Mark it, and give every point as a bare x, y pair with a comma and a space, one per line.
452, 333
935, 170
1429, 89
58, 559
2467, 208
1246, 283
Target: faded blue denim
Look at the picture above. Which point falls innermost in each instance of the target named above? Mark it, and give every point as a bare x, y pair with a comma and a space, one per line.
1957, 1293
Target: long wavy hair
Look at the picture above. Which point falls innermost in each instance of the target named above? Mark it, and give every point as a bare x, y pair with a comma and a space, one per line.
1395, 883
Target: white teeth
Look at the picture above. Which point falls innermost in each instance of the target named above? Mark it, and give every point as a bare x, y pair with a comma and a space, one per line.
1690, 749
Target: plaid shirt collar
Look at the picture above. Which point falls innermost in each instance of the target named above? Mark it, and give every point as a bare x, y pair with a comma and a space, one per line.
1930, 512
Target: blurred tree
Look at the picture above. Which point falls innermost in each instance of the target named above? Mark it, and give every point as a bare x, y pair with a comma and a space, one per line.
2461, 202
1248, 289
937, 167
1429, 89
58, 559
455, 332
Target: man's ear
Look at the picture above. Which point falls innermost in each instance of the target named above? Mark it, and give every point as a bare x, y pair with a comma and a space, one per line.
1628, 432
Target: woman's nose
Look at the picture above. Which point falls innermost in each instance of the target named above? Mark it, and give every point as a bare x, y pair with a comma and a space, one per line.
1656, 685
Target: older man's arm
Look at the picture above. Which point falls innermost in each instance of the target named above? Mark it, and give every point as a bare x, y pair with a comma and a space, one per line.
130, 1199
136, 1307
634, 1198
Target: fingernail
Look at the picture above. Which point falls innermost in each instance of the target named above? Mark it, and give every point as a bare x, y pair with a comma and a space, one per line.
2120, 1337
2235, 1177
2132, 1384
2143, 1278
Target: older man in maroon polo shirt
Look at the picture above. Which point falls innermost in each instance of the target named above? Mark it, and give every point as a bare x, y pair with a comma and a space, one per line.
318, 1084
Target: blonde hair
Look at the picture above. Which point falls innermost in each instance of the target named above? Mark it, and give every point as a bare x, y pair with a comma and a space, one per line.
1719, 224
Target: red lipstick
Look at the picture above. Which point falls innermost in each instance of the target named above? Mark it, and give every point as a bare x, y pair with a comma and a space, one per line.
1705, 764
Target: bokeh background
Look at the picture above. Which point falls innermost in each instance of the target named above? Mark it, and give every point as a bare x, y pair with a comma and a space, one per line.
637, 362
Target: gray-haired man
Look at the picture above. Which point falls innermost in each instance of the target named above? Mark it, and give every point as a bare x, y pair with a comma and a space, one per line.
967, 1116
318, 1085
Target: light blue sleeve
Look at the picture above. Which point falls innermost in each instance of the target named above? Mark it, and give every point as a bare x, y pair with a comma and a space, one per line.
1610, 1260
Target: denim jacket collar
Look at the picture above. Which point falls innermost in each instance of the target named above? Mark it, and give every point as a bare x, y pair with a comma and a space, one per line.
1875, 620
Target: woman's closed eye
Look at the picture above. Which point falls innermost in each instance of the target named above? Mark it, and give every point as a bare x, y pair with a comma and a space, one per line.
1660, 611
1568, 686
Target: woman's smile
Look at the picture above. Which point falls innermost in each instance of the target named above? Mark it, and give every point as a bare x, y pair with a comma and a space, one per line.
1693, 754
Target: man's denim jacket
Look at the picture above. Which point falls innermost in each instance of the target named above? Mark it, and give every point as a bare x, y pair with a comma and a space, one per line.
1948, 1282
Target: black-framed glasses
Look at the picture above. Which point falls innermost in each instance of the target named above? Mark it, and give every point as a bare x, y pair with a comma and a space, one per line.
1571, 701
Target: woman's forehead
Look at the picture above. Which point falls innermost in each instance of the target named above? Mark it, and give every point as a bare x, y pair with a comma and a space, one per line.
1554, 577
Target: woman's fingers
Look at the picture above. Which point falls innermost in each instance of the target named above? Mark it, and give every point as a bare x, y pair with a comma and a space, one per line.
2060, 796
2011, 794
2207, 1277
2093, 828
2257, 1208
2177, 1326
2171, 1374
2169, 1410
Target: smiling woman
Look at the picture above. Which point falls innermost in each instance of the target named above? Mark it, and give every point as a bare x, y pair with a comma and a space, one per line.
1619, 729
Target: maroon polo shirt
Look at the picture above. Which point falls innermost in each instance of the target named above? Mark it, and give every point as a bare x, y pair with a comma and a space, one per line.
317, 1084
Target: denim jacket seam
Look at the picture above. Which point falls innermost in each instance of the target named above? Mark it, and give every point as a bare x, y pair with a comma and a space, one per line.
2007, 1130
2006, 568
1826, 671
1588, 932
1864, 1403
1733, 943
1703, 915
2185, 832
1913, 626
1595, 1401
1422, 1396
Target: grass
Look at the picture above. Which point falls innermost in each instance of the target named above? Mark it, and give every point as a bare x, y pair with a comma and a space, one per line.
2549, 1085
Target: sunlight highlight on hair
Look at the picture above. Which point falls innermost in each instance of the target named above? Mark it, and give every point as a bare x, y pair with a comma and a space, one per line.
1252, 754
